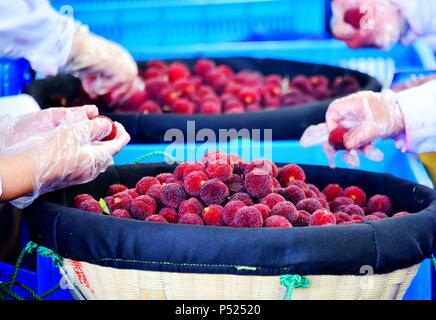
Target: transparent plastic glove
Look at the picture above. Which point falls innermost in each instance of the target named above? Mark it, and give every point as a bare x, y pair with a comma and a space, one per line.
368, 116
381, 23
67, 155
104, 67
17, 129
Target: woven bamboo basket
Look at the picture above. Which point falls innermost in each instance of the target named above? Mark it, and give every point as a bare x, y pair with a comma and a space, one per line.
92, 281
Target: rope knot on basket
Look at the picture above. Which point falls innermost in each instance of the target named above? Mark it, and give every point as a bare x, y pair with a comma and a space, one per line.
293, 281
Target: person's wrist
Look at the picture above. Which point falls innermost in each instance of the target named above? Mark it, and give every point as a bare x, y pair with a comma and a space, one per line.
17, 177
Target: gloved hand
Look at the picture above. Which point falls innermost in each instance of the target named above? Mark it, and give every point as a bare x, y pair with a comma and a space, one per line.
380, 23
17, 129
69, 154
368, 116
104, 67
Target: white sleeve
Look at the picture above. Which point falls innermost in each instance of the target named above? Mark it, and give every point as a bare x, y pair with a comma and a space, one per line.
420, 17
32, 29
418, 106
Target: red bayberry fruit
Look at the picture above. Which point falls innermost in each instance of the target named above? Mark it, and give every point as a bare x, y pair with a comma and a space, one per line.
248, 96
177, 71
220, 171
304, 218
155, 86
157, 64
170, 214
309, 205
203, 66
172, 195
90, 206
81, 198
345, 85
357, 218
156, 218
248, 217
185, 87
272, 199
302, 83
380, 203
225, 70
182, 106
382, 215
290, 172
155, 191
336, 138
264, 210
190, 218
399, 214
357, 194
332, 191
145, 183
213, 215
293, 194
258, 183
193, 182
149, 107
115, 188
163, 177
277, 222
121, 213
210, 107
340, 201
230, 210
113, 132
142, 207
285, 209
351, 209
353, 16
191, 205
119, 201
322, 217
242, 196
342, 217
235, 183
263, 164
213, 191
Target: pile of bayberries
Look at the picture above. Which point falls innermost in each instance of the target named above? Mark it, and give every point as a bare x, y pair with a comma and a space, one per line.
216, 89
223, 190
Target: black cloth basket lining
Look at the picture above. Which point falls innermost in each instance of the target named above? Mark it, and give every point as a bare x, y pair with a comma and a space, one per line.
385, 245
286, 123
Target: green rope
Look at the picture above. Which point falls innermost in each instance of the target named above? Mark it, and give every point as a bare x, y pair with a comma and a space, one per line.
30, 248
152, 154
433, 260
292, 281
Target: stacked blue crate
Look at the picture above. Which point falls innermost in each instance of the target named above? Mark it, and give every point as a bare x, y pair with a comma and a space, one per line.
14, 74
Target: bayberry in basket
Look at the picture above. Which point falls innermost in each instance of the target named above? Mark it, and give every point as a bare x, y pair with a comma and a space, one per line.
272, 199
351, 209
191, 167
230, 210
264, 210
220, 171
357, 194
371, 217
310, 205
324, 203
342, 217
242, 196
203, 66
302, 83
213, 215
277, 222
322, 217
142, 207
293, 193
298, 183
81, 198
163, 177
293, 97
155, 191
113, 132
121, 213
170, 214
235, 183
132, 192
248, 217
177, 71
276, 184
285, 209
172, 195
345, 85
190, 218
336, 138
182, 106
353, 16
213, 191
156, 218
315, 189
381, 215
332, 191
191, 205
266, 165
152, 73
119, 201
357, 218
340, 201
145, 183
115, 188
380, 203
157, 64
155, 86
258, 183
186, 87
210, 107
90, 206
399, 214
149, 107
194, 181
308, 193
225, 70
248, 96
303, 219
289, 173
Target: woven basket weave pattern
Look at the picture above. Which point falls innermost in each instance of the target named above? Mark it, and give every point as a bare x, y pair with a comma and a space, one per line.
98, 282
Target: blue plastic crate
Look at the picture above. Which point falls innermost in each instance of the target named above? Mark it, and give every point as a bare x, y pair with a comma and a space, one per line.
136, 23
402, 165
14, 74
